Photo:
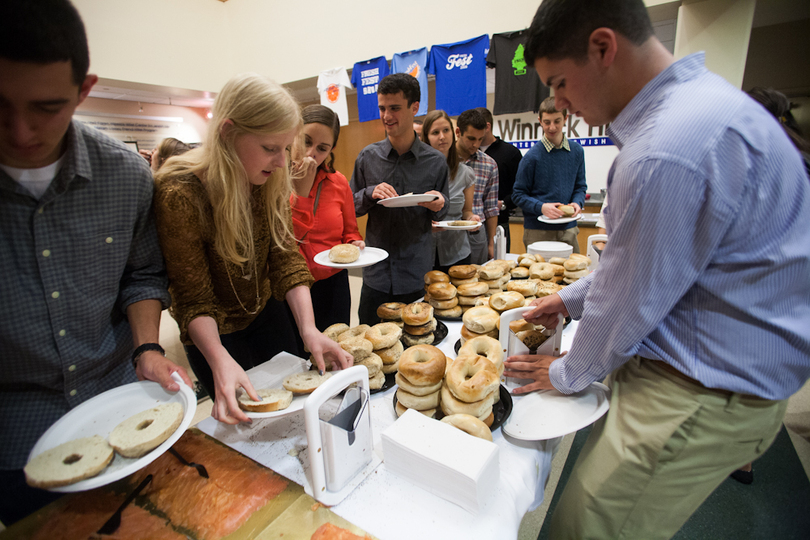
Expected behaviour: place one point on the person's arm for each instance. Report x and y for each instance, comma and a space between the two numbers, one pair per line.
351, 233
322, 348
522, 193
466, 210
638, 283
366, 191
441, 205
144, 319
228, 374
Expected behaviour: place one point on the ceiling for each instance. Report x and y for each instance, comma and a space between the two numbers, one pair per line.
767, 12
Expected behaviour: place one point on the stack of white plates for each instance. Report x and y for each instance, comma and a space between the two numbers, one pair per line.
550, 249
441, 459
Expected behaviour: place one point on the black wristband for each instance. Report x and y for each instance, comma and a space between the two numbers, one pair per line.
142, 349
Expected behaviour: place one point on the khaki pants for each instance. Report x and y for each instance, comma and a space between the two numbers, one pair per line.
662, 448
569, 236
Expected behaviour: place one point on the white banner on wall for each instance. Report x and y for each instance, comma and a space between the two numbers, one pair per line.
147, 131
524, 131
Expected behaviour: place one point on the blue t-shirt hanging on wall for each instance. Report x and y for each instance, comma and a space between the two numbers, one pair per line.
414, 63
365, 77
461, 74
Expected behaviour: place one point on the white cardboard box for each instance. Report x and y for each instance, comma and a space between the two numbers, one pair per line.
441, 459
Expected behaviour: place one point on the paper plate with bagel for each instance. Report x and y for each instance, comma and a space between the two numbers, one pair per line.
365, 257
559, 221
458, 225
98, 417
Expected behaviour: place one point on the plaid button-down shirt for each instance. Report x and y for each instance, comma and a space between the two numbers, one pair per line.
73, 260
485, 200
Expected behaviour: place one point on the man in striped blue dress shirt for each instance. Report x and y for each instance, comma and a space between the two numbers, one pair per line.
700, 308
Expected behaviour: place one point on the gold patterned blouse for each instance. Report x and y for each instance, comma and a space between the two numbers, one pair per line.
200, 281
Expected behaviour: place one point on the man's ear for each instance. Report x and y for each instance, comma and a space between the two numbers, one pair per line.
87, 85
602, 45
415, 107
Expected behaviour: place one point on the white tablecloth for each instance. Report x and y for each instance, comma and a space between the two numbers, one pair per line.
390, 507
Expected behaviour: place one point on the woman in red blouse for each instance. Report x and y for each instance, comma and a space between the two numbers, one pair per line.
323, 214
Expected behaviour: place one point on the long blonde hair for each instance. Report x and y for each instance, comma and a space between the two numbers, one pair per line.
256, 105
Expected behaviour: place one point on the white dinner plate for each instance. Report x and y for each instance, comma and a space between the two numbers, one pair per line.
559, 221
101, 414
406, 200
271, 374
449, 225
368, 256
548, 414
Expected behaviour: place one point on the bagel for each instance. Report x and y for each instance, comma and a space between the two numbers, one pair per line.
575, 263
469, 300
68, 463
335, 330
521, 272
492, 283
506, 300
487, 347
442, 291
443, 304
549, 290
576, 274
450, 313
429, 401
527, 300
358, 347
557, 260
490, 271
423, 365
383, 335
430, 413
462, 271
422, 329
488, 420
542, 271
390, 311
525, 287
304, 382
566, 209
472, 378
481, 319
532, 338
482, 301
373, 363
580, 256
459, 282
417, 314
387, 369
406, 385
436, 276
144, 431
520, 325
344, 253
355, 331
466, 334
473, 289
409, 341
273, 399
450, 404
377, 381
469, 425
391, 354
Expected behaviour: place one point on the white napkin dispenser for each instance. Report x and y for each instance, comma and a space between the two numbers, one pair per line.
339, 448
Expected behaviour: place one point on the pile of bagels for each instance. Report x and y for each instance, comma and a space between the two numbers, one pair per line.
416, 320
377, 347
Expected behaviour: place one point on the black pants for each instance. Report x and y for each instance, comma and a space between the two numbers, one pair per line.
440, 268
370, 300
269, 334
18, 499
331, 304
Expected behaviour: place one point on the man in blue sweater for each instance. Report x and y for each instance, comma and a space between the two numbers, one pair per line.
551, 174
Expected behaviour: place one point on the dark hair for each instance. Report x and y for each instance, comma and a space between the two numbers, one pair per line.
452, 153
486, 114
401, 82
547, 106
471, 118
320, 114
167, 148
561, 28
44, 32
780, 106
418, 121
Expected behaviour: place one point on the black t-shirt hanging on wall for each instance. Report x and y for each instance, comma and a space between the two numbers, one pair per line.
517, 87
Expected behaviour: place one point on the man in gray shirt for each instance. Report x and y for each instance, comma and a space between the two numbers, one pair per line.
398, 165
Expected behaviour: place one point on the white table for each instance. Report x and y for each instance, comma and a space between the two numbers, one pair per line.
390, 507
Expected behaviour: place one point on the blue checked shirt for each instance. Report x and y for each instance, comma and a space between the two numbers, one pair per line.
708, 263
485, 198
71, 263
